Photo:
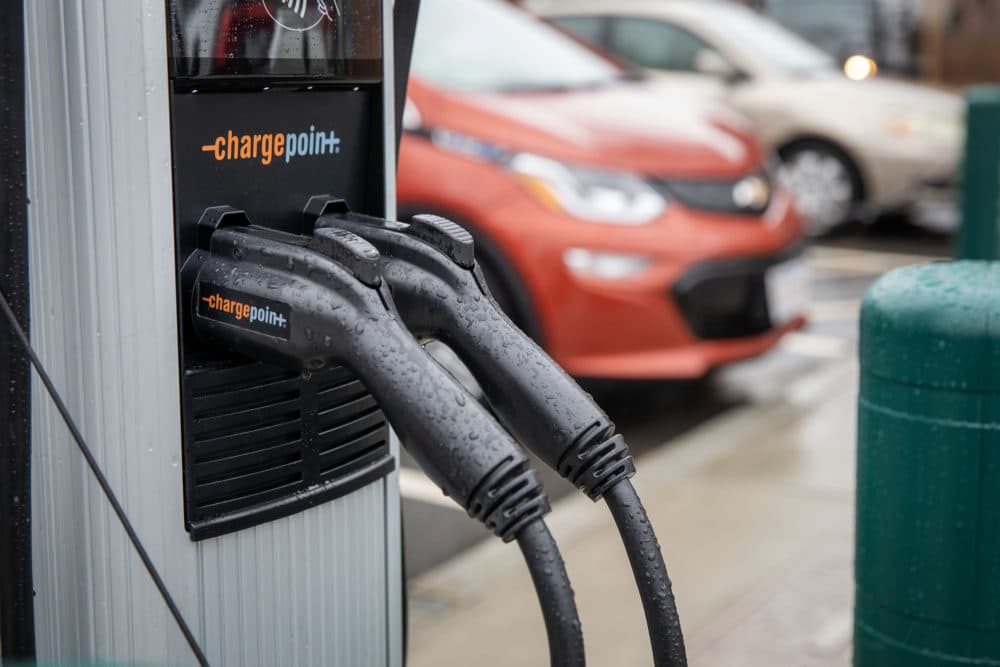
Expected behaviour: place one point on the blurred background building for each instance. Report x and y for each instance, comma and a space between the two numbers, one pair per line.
962, 41
952, 42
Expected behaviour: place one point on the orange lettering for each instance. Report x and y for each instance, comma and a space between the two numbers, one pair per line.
216, 148
232, 146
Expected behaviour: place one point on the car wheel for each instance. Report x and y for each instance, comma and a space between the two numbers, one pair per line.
825, 183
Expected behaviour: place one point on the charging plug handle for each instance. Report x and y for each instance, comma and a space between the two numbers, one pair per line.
440, 292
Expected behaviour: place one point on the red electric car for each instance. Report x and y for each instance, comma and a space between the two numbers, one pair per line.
634, 233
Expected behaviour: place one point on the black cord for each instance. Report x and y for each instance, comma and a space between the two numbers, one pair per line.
650, 572
555, 594
103, 482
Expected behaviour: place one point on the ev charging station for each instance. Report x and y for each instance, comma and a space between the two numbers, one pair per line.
225, 317
140, 116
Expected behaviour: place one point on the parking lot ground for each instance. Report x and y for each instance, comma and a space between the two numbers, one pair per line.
750, 488
754, 511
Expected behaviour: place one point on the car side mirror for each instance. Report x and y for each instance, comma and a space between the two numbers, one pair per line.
711, 63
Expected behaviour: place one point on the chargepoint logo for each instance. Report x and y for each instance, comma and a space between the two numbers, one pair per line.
243, 310
265, 147
301, 15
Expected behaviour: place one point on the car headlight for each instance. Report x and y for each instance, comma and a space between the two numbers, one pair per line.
860, 68
589, 194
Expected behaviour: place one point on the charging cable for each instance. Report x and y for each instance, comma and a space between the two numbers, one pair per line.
441, 293
309, 302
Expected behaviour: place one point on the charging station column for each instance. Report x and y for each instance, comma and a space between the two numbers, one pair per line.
268, 500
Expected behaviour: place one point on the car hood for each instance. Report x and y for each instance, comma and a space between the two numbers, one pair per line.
645, 127
882, 94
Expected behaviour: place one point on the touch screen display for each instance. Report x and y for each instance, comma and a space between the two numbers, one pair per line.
335, 39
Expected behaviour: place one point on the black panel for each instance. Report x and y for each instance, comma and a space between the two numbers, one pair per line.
260, 442
274, 182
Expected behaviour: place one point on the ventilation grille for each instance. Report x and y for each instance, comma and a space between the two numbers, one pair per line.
260, 443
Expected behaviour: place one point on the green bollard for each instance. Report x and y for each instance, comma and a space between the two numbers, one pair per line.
977, 236
927, 568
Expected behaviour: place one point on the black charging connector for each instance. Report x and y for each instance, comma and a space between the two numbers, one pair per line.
309, 302
440, 293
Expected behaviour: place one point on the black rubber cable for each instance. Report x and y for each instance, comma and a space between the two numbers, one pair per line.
555, 594
103, 482
650, 572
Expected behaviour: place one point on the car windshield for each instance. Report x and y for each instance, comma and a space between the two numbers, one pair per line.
778, 47
487, 45
851, 20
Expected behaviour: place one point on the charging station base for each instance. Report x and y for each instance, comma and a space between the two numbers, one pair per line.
320, 586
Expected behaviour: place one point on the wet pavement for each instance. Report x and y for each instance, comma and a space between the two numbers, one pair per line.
754, 512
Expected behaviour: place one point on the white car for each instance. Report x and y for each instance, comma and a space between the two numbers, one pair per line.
852, 142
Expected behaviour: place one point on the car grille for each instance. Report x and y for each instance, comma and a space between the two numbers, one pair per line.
718, 196
723, 299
